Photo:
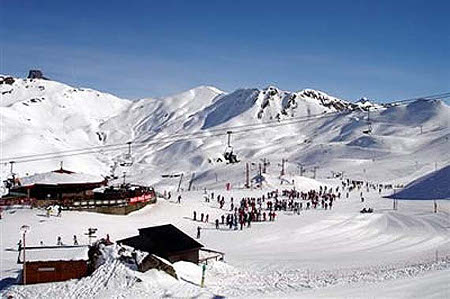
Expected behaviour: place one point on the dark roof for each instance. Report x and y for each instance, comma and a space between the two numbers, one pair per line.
161, 240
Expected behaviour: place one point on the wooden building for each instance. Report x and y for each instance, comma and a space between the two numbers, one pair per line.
59, 185
165, 241
53, 263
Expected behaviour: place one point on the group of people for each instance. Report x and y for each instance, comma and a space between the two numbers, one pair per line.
242, 213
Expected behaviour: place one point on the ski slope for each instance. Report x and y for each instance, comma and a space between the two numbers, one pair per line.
319, 253
40, 116
337, 253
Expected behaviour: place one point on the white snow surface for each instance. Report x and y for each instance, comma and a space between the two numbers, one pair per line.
339, 253
40, 116
319, 253
55, 253
54, 178
435, 185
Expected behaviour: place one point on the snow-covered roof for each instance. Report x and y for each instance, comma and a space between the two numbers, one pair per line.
55, 253
434, 185
55, 178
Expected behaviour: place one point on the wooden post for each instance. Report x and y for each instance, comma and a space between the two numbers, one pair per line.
24, 262
202, 284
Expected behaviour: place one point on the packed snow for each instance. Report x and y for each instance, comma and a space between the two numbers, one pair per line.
435, 185
56, 253
53, 178
338, 252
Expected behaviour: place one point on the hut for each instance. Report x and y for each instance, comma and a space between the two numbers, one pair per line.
165, 241
53, 263
59, 185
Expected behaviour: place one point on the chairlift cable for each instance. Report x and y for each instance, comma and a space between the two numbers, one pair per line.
207, 134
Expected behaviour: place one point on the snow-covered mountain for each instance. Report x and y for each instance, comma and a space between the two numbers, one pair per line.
42, 116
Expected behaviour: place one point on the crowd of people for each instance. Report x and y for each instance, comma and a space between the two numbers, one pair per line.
242, 213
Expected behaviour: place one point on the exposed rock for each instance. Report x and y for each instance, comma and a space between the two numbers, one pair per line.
36, 74
7, 80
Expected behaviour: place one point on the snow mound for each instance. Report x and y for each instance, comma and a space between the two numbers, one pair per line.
431, 186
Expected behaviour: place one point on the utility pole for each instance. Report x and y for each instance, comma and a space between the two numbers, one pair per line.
282, 166
13, 174
191, 181
300, 168
247, 176
179, 183
124, 177
264, 165
315, 171
24, 229
12, 167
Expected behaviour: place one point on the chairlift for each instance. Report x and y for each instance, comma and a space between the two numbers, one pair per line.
127, 160
368, 131
229, 156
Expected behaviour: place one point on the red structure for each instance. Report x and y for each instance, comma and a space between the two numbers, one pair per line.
54, 263
59, 185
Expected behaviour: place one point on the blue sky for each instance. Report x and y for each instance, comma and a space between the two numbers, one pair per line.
384, 50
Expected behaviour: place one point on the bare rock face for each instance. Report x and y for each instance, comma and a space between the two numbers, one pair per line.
7, 80
36, 74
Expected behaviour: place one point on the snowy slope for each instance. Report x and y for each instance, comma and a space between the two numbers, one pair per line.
39, 116
435, 185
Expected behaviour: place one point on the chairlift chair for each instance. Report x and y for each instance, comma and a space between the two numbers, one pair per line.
229, 156
127, 158
369, 123
368, 131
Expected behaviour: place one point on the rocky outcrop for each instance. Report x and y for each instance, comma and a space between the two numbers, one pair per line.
7, 80
36, 74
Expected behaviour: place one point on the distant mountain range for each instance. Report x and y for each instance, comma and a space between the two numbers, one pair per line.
43, 116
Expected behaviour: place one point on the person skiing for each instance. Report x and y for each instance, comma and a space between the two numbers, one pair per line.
195, 216
198, 232
179, 198
217, 223
75, 241
59, 241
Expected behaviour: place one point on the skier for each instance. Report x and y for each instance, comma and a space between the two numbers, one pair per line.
75, 241
179, 198
195, 216
59, 241
198, 232
207, 218
201, 217
217, 223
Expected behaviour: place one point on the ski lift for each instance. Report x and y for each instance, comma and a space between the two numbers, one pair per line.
127, 158
229, 156
368, 131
